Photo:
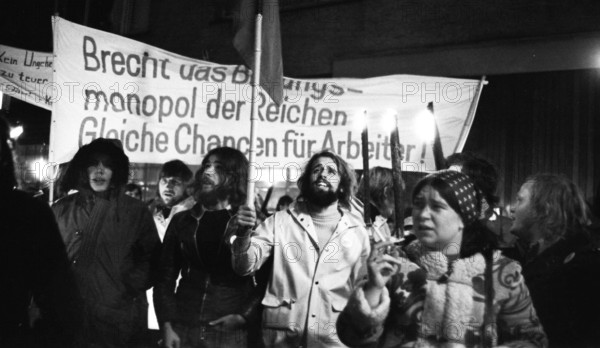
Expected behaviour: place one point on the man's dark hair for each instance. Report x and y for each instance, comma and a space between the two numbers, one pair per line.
234, 171
557, 205
175, 168
7, 167
347, 178
481, 171
284, 200
76, 176
379, 179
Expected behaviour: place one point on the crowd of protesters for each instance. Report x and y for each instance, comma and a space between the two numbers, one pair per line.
313, 274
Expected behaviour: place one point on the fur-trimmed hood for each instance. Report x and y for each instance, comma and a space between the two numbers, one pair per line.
75, 176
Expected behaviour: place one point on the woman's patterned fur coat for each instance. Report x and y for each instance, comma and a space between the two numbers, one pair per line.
426, 305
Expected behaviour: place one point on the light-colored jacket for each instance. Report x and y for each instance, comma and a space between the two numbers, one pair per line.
161, 228
162, 223
309, 284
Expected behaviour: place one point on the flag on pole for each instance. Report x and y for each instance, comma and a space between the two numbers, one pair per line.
271, 65
438, 153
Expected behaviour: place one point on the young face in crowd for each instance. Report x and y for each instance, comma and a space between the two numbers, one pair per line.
99, 176
324, 181
436, 224
133, 193
521, 211
171, 189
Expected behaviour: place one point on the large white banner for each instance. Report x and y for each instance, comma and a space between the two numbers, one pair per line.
27, 75
165, 106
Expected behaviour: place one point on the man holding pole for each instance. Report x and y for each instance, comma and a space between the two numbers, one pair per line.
212, 306
318, 250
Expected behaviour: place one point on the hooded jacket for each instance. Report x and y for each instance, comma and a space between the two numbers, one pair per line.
111, 243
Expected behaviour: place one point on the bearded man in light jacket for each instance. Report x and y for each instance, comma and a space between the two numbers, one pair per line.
317, 249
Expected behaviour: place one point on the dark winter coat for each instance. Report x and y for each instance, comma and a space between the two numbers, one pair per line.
564, 282
33, 263
111, 244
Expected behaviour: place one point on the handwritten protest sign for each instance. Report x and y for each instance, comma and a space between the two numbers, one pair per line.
27, 75
164, 106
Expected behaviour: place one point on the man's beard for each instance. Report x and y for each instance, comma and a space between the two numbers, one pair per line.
321, 198
213, 196
526, 231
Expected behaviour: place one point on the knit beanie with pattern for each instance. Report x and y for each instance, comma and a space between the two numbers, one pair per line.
461, 188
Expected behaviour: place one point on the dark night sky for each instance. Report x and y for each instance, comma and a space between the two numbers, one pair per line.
26, 24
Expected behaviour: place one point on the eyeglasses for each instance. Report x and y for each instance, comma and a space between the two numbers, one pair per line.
171, 181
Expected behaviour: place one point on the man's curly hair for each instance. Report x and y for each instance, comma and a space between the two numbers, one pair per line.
234, 171
557, 205
347, 183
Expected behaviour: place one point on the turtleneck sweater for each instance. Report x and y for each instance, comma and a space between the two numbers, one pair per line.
325, 223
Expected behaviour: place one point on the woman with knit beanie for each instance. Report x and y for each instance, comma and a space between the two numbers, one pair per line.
448, 288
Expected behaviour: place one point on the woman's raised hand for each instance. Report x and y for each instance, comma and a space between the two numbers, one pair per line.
384, 261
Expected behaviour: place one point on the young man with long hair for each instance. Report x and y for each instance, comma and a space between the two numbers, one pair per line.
211, 306
111, 242
560, 258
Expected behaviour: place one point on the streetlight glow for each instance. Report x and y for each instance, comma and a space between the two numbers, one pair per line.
15, 132
425, 126
360, 120
388, 120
